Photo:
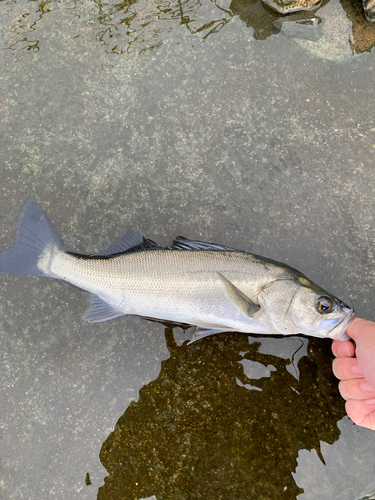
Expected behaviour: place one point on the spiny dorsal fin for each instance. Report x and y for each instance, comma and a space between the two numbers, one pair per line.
239, 299
181, 243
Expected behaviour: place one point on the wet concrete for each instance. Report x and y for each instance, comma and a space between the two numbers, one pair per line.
199, 130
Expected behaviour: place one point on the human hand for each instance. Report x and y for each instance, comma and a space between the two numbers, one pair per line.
355, 367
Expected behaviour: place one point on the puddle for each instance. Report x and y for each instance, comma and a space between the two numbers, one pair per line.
139, 26
224, 418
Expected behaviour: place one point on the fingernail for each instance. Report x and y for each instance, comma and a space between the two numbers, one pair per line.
366, 387
369, 402
356, 370
344, 351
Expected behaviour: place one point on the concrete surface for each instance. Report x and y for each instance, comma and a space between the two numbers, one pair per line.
173, 119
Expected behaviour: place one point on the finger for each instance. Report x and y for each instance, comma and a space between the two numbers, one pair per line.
343, 349
360, 328
361, 412
363, 333
357, 388
346, 368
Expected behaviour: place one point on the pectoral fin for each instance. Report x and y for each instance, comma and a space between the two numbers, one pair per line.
239, 299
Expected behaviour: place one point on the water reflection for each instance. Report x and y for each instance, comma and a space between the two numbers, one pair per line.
141, 25
224, 419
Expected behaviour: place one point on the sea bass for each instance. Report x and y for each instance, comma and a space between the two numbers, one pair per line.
216, 288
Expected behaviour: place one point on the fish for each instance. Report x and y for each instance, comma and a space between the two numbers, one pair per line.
212, 287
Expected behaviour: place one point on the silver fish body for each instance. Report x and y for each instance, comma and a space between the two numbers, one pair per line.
213, 287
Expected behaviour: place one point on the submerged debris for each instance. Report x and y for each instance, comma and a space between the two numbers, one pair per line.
294, 26
369, 8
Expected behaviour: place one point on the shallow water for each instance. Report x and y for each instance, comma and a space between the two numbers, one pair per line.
220, 421
198, 119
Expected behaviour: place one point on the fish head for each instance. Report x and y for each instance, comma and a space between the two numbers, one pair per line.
297, 305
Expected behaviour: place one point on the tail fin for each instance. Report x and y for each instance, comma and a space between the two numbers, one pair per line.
34, 235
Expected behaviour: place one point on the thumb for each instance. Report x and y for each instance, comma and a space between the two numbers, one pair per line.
363, 333
361, 330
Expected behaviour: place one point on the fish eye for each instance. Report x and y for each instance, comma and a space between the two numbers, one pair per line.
324, 305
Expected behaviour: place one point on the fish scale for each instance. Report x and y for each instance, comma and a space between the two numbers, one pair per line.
163, 277
213, 287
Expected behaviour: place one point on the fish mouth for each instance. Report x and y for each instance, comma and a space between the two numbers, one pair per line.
338, 332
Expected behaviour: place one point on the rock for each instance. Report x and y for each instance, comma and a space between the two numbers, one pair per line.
297, 27
369, 8
286, 6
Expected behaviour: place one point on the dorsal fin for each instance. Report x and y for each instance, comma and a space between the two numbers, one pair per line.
181, 243
130, 241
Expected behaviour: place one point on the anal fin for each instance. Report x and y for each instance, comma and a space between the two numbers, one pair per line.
200, 333
98, 310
